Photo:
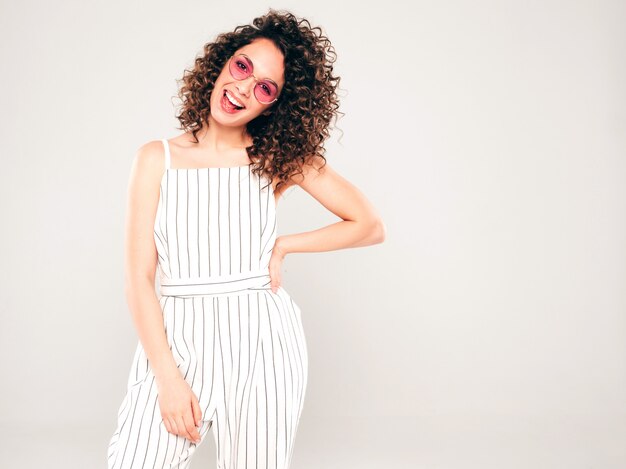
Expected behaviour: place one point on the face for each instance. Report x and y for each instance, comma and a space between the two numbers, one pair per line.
260, 59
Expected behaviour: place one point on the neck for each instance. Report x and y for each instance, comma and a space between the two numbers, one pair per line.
219, 138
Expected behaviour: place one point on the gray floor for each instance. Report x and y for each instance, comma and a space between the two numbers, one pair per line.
436, 442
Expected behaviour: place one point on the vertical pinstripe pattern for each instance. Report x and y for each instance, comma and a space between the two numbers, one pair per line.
240, 346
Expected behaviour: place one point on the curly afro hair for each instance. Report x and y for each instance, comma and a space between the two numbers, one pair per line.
293, 133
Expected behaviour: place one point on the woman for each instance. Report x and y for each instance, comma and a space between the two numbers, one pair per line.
223, 346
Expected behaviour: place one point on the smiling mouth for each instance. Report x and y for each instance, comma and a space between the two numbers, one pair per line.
231, 102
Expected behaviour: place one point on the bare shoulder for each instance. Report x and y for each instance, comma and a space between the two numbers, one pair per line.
148, 168
300, 178
315, 173
151, 155
149, 160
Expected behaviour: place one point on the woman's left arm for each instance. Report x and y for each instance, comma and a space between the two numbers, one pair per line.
361, 225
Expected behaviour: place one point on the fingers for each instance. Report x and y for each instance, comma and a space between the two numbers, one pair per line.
195, 409
170, 425
275, 284
188, 428
185, 424
274, 276
276, 259
192, 429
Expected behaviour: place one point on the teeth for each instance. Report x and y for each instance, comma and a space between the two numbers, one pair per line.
233, 100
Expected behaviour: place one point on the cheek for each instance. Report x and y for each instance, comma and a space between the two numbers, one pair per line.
217, 86
256, 107
217, 93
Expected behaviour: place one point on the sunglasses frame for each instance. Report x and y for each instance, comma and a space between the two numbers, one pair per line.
253, 76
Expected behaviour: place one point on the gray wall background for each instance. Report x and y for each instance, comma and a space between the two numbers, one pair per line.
488, 331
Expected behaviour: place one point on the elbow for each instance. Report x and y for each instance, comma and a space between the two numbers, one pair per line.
379, 231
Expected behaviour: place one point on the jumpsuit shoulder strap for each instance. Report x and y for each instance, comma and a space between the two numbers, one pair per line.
166, 145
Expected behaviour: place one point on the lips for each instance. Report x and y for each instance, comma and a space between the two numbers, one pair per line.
227, 106
234, 99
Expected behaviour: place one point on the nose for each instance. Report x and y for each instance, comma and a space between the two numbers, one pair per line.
244, 86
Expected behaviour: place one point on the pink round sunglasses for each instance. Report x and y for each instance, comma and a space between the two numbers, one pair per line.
265, 90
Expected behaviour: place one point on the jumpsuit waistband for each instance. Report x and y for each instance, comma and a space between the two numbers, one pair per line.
217, 285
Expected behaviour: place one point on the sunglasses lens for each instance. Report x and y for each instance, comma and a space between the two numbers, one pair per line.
265, 91
240, 68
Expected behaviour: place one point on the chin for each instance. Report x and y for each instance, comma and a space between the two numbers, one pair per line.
229, 120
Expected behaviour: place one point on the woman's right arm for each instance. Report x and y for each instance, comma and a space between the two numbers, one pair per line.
141, 259
178, 404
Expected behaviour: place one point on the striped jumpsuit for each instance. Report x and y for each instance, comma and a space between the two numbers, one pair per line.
240, 346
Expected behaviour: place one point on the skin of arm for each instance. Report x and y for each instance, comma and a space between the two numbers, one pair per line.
361, 225
141, 259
